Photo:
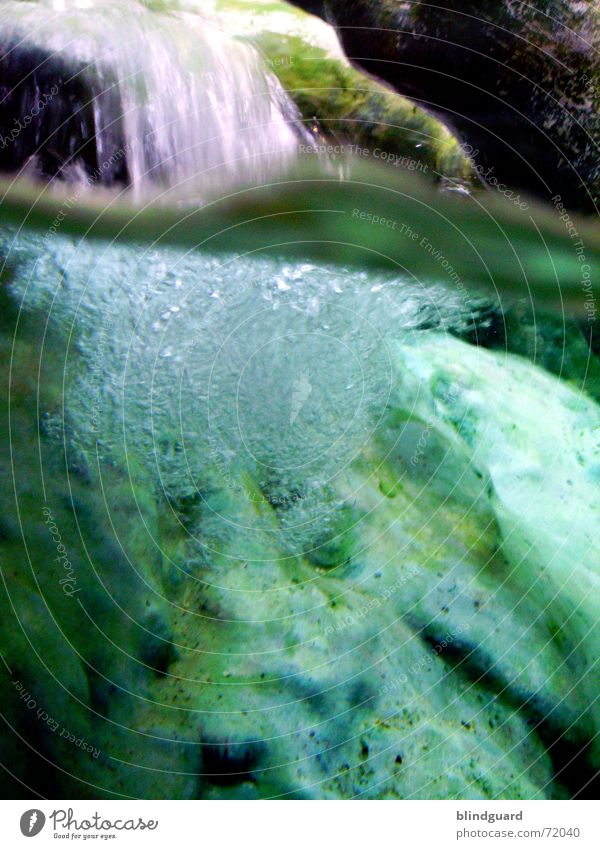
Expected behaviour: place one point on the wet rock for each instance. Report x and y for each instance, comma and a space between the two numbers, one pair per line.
518, 84
561, 345
345, 109
57, 116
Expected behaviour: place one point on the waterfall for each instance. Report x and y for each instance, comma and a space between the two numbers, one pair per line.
100, 92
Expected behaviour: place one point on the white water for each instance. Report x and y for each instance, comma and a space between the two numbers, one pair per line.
200, 369
201, 112
196, 368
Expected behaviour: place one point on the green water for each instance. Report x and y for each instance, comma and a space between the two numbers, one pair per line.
296, 504
311, 492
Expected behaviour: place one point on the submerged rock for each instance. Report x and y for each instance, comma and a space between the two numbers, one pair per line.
390, 600
559, 344
518, 83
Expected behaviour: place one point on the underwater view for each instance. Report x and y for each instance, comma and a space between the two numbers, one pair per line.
300, 447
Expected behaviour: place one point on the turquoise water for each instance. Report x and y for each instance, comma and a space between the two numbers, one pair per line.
322, 543
184, 360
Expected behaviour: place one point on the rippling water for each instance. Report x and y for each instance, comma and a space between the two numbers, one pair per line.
198, 364
308, 484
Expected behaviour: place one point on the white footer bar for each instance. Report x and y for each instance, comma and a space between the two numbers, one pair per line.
301, 825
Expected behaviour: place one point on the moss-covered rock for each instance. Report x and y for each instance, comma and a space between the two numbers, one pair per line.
560, 344
434, 637
84, 624
346, 107
519, 83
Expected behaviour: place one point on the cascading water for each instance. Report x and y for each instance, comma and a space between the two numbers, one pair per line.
103, 92
285, 365
311, 489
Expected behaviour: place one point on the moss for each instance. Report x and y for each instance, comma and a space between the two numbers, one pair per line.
334, 548
349, 107
541, 136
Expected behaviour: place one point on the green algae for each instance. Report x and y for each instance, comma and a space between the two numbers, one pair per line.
433, 635
350, 109
423, 651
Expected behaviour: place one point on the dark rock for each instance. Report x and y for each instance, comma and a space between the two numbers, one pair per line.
56, 114
230, 763
518, 84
